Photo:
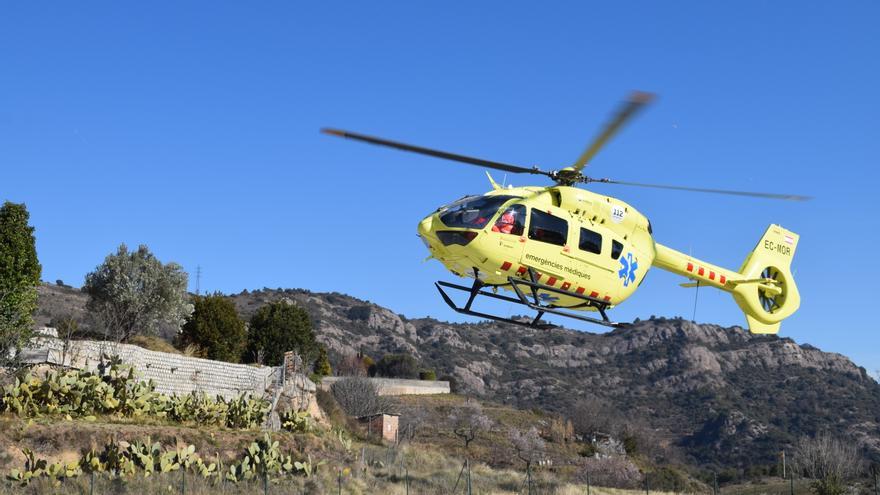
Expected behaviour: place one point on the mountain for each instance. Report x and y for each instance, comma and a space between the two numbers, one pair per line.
721, 396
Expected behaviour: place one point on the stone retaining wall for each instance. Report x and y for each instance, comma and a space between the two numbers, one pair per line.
395, 386
172, 373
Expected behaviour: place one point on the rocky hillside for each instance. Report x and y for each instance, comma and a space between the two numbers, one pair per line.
720, 395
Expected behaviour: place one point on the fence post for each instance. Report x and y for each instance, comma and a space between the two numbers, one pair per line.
265, 480
91, 483
406, 479
468, 464
339, 481
529, 475
791, 483
588, 484
646, 484
182, 480
876, 485
714, 483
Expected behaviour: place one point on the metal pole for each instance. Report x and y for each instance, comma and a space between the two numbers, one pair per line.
265, 481
406, 480
92, 483
646, 484
529, 475
588, 484
715, 483
339, 481
468, 464
791, 483
182, 480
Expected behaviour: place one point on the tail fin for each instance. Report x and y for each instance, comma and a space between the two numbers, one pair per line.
766, 293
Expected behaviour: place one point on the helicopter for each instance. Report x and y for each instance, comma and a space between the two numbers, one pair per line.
568, 251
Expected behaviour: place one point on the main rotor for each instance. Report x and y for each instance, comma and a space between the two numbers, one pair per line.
572, 174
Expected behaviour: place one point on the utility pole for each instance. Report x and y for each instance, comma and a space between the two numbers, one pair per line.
198, 280
783, 464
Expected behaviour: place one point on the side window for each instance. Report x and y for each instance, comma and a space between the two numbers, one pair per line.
616, 249
512, 221
590, 242
547, 228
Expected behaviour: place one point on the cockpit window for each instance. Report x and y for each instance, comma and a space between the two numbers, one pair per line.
473, 212
512, 221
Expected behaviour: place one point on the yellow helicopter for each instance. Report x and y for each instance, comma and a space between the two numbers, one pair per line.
564, 250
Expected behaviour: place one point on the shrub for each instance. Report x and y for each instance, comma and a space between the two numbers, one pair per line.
428, 375
215, 328
359, 397
398, 366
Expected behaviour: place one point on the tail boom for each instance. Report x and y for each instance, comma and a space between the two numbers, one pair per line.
763, 288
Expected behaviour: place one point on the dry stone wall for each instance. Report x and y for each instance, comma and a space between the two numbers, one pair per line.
171, 373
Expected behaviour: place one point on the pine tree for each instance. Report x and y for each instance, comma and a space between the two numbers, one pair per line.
215, 328
19, 277
279, 327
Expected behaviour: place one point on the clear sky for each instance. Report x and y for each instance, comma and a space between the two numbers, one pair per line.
192, 127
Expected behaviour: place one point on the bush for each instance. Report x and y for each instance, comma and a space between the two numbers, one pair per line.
398, 366
277, 328
215, 328
358, 397
428, 375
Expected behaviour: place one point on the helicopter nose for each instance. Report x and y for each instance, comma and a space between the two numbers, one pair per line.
425, 225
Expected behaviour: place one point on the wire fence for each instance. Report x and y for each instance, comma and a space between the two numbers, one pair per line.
390, 471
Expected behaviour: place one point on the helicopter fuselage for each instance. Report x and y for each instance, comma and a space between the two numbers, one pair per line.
583, 243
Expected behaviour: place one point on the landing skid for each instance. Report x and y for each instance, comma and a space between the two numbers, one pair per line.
520, 287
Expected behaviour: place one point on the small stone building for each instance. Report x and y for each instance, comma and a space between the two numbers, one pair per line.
383, 425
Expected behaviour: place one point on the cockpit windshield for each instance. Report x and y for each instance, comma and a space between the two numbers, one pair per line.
472, 212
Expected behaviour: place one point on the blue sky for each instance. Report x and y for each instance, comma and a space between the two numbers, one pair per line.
192, 127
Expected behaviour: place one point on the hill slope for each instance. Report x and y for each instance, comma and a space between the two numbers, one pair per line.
722, 395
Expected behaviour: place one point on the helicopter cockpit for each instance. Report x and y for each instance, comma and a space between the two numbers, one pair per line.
472, 212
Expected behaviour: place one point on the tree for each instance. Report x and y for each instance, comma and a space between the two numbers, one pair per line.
351, 365
359, 397
468, 422
215, 328
829, 461
277, 328
398, 366
19, 277
322, 363
134, 293
528, 445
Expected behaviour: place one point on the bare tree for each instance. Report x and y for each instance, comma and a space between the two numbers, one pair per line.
593, 415
359, 397
351, 365
412, 418
468, 422
528, 446
614, 472
68, 329
829, 461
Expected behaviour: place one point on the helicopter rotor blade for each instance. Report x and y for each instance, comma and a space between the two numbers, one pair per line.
435, 153
636, 101
789, 197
